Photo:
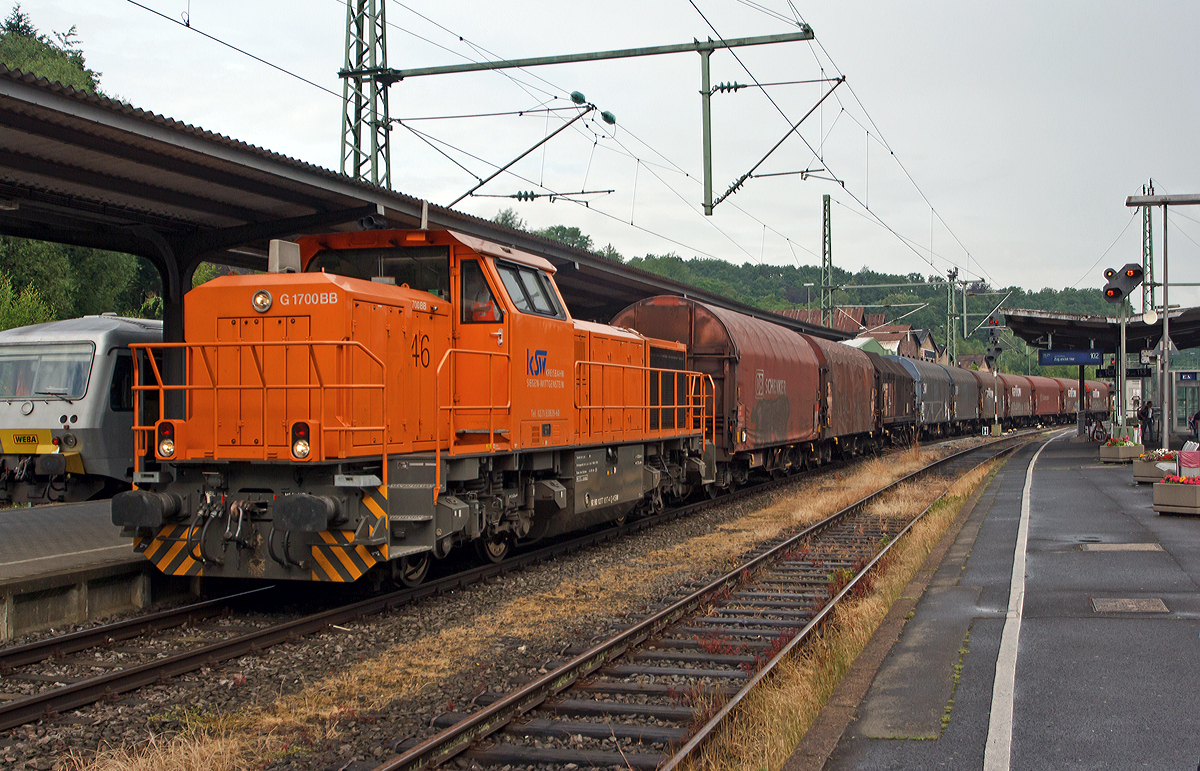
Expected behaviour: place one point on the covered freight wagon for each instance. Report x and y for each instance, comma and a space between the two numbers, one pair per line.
849, 390
933, 393
965, 403
1016, 399
1047, 398
766, 377
895, 394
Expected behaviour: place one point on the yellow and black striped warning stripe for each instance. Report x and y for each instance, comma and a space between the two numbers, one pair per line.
338, 558
170, 551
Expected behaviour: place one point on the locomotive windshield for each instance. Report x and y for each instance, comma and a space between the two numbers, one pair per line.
530, 289
46, 370
426, 268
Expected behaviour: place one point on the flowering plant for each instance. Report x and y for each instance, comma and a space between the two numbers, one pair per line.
1114, 442
1178, 480
1155, 456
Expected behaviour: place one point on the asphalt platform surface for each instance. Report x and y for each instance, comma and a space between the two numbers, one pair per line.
1097, 685
51, 538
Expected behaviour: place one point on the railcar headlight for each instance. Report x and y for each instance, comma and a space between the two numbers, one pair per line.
261, 301
300, 448
166, 447
69, 440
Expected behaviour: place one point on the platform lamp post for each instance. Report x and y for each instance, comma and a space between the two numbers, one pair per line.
1165, 201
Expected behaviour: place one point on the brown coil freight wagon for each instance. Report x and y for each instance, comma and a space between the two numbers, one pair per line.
895, 397
766, 377
1017, 399
1047, 398
847, 394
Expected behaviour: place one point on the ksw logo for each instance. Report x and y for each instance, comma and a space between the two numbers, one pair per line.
535, 363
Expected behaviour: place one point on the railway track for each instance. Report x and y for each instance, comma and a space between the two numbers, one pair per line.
649, 696
65, 680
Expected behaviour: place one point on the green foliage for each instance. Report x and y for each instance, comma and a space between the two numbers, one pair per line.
19, 309
75, 281
59, 59
569, 236
206, 272
509, 219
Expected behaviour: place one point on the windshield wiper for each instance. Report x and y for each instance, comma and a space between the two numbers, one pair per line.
55, 395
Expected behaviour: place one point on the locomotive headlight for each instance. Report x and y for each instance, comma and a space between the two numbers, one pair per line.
69, 440
261, 301
166, 447
300, 448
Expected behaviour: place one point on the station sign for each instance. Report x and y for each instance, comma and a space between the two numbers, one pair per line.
1088, 358
1131, 373
1187, 376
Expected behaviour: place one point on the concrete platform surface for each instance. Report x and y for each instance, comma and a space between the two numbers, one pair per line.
1091, 689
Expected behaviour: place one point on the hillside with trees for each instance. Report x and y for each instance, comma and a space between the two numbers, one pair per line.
782, 287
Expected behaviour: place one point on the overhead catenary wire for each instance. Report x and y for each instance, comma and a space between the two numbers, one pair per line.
187, 25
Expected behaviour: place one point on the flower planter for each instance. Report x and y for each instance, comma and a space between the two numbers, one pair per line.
1147, 472
1170, 498
1120, 453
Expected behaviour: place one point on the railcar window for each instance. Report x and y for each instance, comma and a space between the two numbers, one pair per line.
45, 370
530, 289
120, 394
426, 268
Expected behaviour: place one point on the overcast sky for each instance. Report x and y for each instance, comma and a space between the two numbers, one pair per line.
1001, 138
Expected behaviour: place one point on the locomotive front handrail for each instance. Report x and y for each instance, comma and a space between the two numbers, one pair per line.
145, 433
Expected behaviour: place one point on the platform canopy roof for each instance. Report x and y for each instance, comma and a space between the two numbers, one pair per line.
1073, 331
82, 169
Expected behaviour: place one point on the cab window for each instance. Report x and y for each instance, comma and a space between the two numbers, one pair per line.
426, 268
530, 289
479, 305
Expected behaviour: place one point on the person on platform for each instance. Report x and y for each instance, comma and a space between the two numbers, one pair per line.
1146, 417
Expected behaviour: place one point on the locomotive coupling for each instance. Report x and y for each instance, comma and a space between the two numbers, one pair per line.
304, 513
144, 508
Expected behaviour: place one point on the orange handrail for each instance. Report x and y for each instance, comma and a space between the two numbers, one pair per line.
698, 404
491, 407
145, 433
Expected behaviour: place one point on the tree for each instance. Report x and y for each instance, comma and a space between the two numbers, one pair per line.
569, 236
19, 309
60, 60
509, 219
71, 281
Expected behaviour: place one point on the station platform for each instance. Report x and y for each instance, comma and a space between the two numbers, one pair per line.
1087, 655
62, 564
46, 539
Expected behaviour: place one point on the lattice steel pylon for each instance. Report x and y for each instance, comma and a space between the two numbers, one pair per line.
826, 268
1147, 252
365, 121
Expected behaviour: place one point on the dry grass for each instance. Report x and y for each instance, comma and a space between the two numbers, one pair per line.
773, 719
315, 714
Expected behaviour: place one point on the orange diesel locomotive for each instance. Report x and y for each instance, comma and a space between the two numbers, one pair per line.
385, 396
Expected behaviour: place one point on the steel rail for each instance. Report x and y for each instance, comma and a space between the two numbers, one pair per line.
453, 740
686, 751
72, 696
62, 645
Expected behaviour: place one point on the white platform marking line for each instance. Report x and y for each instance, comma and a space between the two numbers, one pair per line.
126, 547
998, 751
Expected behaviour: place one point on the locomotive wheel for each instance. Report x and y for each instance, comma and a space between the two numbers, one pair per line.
492, 550
412, 570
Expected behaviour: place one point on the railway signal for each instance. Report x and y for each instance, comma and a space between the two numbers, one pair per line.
1122, 283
